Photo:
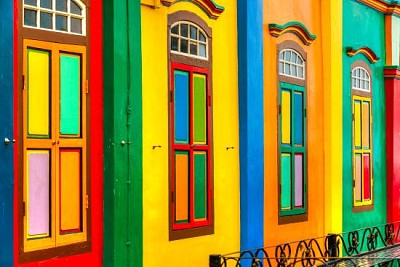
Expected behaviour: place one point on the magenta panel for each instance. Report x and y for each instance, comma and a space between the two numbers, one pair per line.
367, 178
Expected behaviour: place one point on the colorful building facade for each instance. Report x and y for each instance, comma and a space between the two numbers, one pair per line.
160, 132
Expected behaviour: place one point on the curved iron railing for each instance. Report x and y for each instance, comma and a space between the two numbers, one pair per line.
330, 250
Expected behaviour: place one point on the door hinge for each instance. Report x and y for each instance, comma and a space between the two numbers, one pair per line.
279, 109
352, 117
23, 208
170, 96
354, 183
87, 86
305, 113
87, 201
172, 197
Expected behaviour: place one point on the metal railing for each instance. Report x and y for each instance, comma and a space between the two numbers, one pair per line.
343, 249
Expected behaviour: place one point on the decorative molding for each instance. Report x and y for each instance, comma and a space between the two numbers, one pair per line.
294, 27
382, 6
392, 72
208, 6
365, 51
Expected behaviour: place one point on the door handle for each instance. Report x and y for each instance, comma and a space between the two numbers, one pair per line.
8, 141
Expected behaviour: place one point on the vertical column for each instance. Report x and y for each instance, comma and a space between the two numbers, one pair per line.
6, 131
333, 87
392, 87
251, 117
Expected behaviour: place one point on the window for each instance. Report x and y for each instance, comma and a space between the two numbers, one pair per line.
191, 178
188, 39
292, 133
362, 135
55, 15
55, 195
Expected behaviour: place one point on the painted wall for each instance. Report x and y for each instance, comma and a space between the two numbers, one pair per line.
369, 25
6, 131
308, 13
95, 59
123, 117
157, 249
251, 112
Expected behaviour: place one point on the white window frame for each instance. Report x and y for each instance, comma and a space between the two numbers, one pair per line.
356, 76
190, 40
291, 63
55, 12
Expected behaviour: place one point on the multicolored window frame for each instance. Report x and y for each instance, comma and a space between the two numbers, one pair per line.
55, 193
191, 160
292, 133
363, 182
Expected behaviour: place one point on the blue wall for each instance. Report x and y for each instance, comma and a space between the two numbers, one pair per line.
6, 130
251, 118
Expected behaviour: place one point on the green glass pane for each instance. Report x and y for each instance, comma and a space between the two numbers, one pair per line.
70, 94
286, 184
199, 112
200, 186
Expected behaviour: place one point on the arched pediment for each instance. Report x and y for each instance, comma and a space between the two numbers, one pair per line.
208, 6
294, 27
367, 52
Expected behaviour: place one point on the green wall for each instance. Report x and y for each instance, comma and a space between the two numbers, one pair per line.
363, 26
123, 209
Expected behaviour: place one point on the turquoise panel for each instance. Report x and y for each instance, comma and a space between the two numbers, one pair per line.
70, 85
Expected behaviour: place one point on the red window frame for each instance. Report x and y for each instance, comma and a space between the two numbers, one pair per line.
191, 148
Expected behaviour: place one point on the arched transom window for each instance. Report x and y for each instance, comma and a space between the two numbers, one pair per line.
291, 64
55, 15
361, 79
188, 39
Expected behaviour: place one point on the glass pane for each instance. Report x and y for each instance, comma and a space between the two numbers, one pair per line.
200, 109
200, 186
38, 86
367, 178
46, 21
365, 125
298, 180
280, 67
300, 61
353, 82
287, 69
301, 72
357, 124
38, 193
76, 25
286, 117
298, 118
202, 37
30, 2
181, 106
75, 9
202, 50
184, 30
293, 70
61, 5
362, 85
286, 182
294, 58
181, 186
357, 178
61, 23
30, 17
184, 46
193, 32
70, 191
175, 29
193, 49
281, 55
287, 55
46, 4
70, 89
174, 44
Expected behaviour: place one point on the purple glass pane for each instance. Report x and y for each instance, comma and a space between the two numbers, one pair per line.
298, 176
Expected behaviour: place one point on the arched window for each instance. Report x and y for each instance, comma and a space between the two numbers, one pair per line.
188, 39
361, 85
67, 16
190, 126
291, 64
292, 133
361, 79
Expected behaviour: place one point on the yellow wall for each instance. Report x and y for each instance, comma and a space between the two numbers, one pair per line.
158, 250
319, 172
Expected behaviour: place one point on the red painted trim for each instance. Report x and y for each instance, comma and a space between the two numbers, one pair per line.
191, 150
392, 87
16, 137
95, 131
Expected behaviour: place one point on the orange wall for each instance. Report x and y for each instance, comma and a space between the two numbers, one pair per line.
308, 12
